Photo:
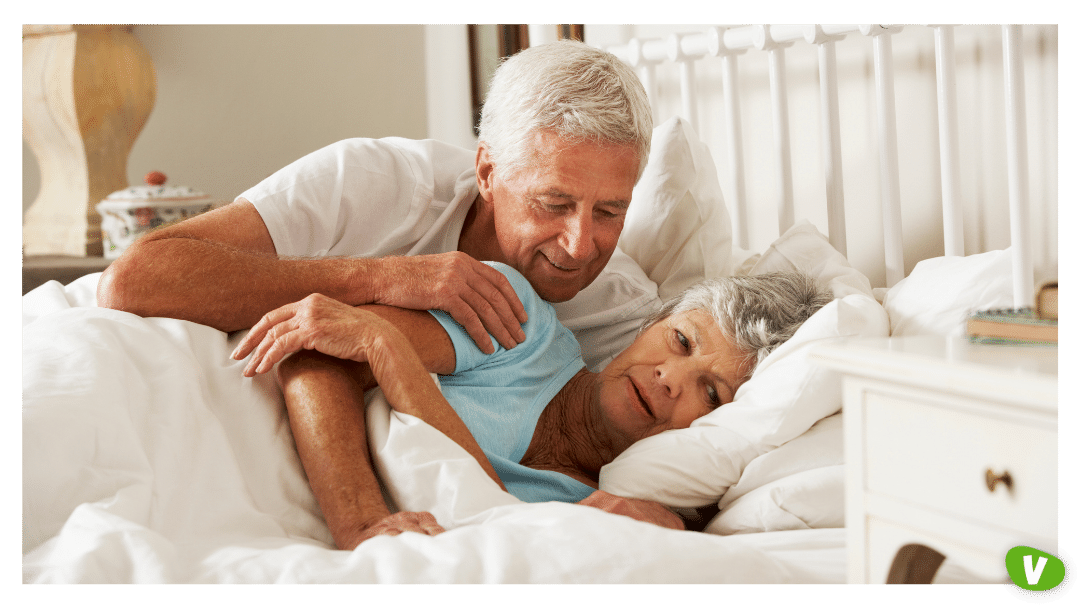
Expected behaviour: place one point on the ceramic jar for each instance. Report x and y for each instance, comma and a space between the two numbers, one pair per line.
129, 213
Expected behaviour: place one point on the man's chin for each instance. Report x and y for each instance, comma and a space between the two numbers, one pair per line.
556, 298
556, 286
556, 291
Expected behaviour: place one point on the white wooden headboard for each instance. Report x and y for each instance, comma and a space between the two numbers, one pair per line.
900, 142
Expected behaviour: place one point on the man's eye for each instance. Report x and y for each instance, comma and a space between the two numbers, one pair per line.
714, 397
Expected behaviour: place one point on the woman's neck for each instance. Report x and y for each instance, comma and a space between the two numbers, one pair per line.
569, 435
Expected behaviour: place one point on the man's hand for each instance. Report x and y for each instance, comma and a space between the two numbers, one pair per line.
396, 523
476, 295
641, 510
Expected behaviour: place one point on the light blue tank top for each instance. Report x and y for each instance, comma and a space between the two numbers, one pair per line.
500, 396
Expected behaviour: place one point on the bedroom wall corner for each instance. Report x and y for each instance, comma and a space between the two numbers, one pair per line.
449, 98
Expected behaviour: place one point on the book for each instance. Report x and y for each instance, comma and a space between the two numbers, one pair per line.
1011, 326
1046, 301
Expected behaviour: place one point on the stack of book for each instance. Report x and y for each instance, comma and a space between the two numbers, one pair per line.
1037, 325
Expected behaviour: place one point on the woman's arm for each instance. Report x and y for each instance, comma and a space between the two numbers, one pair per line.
642, 510
400, 372
326, 413
378, 345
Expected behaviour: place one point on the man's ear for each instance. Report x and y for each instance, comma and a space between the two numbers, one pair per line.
485, 170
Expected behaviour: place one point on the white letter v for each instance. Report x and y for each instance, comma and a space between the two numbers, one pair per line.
1033, 575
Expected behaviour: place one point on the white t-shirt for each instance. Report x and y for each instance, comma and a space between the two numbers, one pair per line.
394, 196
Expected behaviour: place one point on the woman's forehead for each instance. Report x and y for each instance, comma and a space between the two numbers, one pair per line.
698, 321
703, 330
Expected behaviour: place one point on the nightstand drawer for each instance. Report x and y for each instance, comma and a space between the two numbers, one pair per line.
936, 456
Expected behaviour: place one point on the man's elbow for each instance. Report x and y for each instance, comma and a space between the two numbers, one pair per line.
111, 288
116, 287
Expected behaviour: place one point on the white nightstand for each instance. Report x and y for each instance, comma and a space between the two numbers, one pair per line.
951, 450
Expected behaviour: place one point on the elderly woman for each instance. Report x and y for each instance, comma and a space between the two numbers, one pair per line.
539, 423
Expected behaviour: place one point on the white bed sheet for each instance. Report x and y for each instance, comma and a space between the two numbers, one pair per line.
147, 457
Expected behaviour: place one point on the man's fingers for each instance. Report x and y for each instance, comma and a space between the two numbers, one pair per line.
466, 316
506, 331
497, 305
500, 282
501, 311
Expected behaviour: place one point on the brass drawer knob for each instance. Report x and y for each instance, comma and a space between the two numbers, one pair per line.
993, 479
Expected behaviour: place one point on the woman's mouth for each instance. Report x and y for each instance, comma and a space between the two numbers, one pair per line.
639, 399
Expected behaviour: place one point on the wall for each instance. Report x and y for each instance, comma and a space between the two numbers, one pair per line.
449, 95
237, 102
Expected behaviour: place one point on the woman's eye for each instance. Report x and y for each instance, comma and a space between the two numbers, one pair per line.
714, 397
682, 339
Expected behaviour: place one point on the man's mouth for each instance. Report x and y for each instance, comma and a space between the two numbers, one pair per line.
560, 267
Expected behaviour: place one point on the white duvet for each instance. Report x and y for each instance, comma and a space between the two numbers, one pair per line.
147, 457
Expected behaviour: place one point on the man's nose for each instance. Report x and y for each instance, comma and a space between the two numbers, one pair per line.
577, 237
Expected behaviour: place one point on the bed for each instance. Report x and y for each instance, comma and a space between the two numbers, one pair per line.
149, 458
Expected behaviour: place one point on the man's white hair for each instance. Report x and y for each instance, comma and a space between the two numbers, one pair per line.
573, 90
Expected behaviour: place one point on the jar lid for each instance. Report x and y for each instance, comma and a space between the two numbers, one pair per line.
156, 194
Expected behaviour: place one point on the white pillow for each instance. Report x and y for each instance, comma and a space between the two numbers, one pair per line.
788, 393
804, 248
938, 295
796, 486
677, 228
805, 500
821, 446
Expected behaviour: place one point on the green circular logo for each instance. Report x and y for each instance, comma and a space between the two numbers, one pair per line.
1034, 570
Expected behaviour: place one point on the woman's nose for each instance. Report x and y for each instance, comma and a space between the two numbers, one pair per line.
671, 376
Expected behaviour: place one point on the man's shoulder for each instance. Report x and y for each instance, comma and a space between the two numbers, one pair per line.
606, 315
423, 150
621, 291
436, 165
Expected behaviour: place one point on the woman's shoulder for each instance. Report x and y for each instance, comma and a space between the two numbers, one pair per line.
542, 316
521, 285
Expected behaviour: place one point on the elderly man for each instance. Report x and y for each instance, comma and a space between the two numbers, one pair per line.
564, 137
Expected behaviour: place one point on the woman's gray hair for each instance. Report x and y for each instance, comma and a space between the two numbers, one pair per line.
755, 313
571, 89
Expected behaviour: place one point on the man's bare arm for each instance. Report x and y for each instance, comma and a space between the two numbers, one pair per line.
221, 269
